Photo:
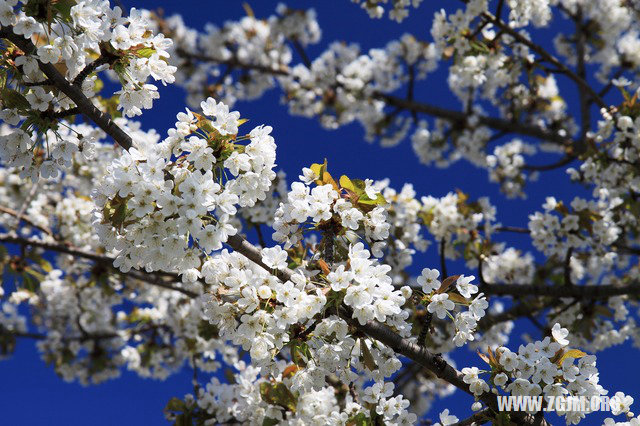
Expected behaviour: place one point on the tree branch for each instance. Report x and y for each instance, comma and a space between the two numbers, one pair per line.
460, 117
406, 104
574, 291
233, 62
88, 109
26, 220
153, 279
547, 57
479, 418
433, 362
560, 163
103, 59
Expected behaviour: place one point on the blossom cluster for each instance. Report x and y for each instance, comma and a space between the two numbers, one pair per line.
259, 47
547, 367
399, 8
83, 39
441, 303
141, 279
337, 86
161, 213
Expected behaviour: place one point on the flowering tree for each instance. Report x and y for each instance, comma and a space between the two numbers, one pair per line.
129, 249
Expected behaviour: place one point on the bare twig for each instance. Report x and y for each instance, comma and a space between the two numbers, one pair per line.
26, 220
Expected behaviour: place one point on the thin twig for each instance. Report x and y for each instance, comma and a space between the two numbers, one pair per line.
547, 57
26, 220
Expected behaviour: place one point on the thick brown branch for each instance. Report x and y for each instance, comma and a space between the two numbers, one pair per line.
433, 362
103, 59
560, 163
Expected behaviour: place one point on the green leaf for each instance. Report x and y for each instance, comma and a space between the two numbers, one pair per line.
30, 282
119, 215
300, 353
456, 298
269, 421
367, 358
278, 394
175, 404
63, 7
14, 99
3, 78
346, 183
359, 419
368, 201
479, 47
145, 52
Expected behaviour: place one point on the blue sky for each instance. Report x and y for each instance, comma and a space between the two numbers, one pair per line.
31, 392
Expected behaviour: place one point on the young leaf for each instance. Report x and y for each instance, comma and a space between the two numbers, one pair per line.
456, 298
290, 371
324, 267
346, 183
367, 357
446, 283
300, 353
14, 99
359, 419
145, 52
571, 353
484, 357
278, 394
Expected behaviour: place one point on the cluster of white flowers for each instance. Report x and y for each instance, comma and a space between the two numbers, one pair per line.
589, 224
267, 308
508, 266
256, 398
405, 234
339, 84
19, 149
150, 207
547, 367
328, 206
506, 165
614, 173
399, 8
88, 37
441, 304
258, 47
451, 218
